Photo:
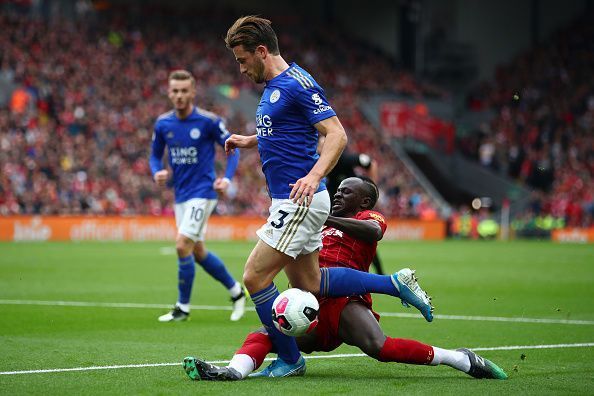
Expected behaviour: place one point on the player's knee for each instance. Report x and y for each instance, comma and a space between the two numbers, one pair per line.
183, 251
183, 246
307, 283
252, 281
313, 288
372, 346
200, 251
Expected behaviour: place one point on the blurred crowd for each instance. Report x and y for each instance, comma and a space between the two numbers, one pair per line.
85, 91
543, 133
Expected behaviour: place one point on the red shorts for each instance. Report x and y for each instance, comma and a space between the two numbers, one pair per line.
327, 337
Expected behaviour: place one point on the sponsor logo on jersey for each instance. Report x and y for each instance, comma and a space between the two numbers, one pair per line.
332, 231
274, 96
263, 125
169, 135
316, 98
322, 109
377, 217
319, 102
183, 155
223, 129
195, 133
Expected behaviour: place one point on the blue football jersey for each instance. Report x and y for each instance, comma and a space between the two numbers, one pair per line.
191, 144
291, 104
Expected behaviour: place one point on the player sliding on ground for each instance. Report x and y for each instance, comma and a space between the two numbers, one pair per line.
349, 240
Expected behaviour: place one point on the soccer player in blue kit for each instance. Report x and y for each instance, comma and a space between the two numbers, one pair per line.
293, 111
190, 134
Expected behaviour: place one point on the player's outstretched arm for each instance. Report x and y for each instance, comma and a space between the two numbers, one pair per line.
334, 144
365, 230
240, 141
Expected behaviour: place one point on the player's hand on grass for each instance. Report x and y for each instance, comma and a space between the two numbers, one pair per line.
161, 177
304, 188
221, 185
239, 141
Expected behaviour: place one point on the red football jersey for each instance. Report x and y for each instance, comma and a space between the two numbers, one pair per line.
342, 250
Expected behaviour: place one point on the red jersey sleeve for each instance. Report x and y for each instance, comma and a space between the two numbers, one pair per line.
376, 217
343, 250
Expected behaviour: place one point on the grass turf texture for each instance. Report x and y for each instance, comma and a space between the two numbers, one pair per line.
518, 279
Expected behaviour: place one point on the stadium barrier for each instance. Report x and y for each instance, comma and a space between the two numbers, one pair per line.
147, 228
579, 235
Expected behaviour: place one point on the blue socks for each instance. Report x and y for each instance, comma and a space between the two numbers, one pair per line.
341, 282
215, 268
185, 277
285, 345
187, 271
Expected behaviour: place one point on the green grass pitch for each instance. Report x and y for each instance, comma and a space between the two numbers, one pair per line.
475, 279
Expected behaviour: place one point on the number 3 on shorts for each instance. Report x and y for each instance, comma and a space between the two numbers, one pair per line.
281, 221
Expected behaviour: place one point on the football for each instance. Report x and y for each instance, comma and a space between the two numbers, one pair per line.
295, 312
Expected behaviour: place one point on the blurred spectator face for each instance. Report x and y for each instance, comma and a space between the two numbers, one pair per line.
251, 63
181, 94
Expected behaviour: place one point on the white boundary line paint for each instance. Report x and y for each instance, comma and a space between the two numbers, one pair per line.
344, 355
229, 308
492, 318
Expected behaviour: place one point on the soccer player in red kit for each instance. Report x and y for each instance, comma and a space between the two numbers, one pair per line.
349, 240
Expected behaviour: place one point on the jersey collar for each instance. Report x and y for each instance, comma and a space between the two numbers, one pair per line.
291, 65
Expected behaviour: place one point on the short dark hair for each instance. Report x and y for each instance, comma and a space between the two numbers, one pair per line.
371, 190
252, 31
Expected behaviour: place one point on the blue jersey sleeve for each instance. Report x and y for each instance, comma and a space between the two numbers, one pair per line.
314, 104
220, 135
232, 162
157, 150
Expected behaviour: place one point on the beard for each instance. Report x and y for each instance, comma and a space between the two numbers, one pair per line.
258, 74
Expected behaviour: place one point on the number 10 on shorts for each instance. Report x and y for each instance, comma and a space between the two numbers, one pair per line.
197, 214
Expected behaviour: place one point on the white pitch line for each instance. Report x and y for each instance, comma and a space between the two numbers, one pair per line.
492, 318
114, 305
229, 308
343, 355
550, 346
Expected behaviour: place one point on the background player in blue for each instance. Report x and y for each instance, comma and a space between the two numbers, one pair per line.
292, 113
190, 134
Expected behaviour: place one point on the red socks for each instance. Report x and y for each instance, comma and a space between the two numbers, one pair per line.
257, 346
406, 351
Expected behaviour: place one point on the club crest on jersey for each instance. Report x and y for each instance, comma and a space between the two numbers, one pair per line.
195, 133
169, 135
274, 96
